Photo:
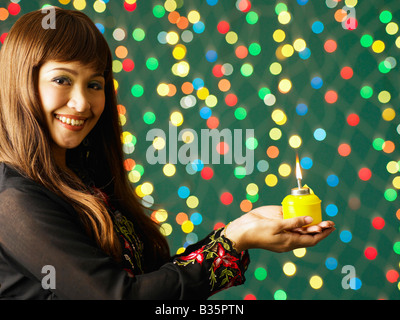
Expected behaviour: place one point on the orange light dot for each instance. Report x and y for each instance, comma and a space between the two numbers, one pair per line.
187, 87
172, 90
272, 152
388, 147
173, 17
246, 205
181, 217
330, 46
224, 85
182, 23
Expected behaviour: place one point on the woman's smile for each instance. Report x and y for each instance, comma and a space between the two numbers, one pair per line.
71, 122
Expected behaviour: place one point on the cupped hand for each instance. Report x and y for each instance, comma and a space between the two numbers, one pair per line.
265, 228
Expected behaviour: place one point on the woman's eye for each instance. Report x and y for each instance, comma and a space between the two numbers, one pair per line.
62, 81
95, 86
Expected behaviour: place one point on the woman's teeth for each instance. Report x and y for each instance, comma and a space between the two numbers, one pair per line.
72, 122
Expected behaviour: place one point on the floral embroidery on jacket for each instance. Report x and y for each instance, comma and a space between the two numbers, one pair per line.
226, 266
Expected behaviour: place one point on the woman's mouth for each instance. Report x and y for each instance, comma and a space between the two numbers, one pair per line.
71, 122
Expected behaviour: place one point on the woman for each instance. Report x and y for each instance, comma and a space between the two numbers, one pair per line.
65, 198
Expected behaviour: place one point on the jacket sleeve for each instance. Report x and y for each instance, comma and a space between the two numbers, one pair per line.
36, 231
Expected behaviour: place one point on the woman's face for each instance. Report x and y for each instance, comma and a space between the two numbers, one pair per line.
73, 99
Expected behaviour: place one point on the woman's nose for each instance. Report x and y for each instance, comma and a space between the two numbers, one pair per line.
79, 100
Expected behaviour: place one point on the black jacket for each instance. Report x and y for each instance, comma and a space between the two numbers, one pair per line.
39, 230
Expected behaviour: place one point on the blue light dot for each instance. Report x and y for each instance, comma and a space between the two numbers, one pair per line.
183, 192
262, 165
302, 2
192, 238
306, 163
317, 27
198, 83
212, 2
332, 180
331, 210
162, 37
316, 82
205, 112
319, 134
198, 27
196, 218
331, 263
100, 27
301, 109
355, 283
211, 56
346, 236
305, 54
197, 165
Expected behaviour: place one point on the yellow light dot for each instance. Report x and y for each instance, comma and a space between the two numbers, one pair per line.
180, 250
170, 5
187, 137
163, 89
202, 93
192, 202
388, 114
284, 86
179, 52
275, 68
181, 69
289, 269
99, 6
64, 2
187, 226
392, 167
252, 189
176, 118
126, 137
279, 35
79, 4
284, 17
159, 143
147, 188
166, 229
398, 46
122, 119
211, 101
172, 38
169, 170
161, 215
299, 45
275, 134
194, 16
277, 115
300, 253
116, 84
396, 182
134, 176
139, 192
271, 180
316, 282
231, 37
295, 141
384, 96
392, 28
378, 46
351, 3
287, 50
284, 170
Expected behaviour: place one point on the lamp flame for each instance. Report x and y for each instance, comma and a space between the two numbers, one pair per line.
299, 177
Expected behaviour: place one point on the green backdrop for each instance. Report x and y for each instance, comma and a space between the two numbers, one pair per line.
308, 78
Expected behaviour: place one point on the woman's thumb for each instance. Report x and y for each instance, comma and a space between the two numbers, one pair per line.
296, 222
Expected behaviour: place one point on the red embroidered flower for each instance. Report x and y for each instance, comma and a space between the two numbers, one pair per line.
225, 259
195, 255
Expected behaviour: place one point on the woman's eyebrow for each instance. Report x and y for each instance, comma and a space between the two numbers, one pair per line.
75, 73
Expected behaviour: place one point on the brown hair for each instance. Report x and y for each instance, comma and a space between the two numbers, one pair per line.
25, 140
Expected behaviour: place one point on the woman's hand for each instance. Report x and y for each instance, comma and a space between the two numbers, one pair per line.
265, 228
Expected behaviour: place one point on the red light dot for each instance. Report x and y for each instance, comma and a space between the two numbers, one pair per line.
217, 71
128, 65
241, 52
331, 96
223, 27
222, 148
330, 46
344, 149
370, 253
3, 37
130, 7
231, 99
226, 198
353, 119
378, 223
364, 174
207, 173
392, 276
250, 297
346, 73
244, 5
212, 122
219, 225
351, 23
14, 8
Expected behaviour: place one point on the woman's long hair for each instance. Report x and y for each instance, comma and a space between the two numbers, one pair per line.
25, 140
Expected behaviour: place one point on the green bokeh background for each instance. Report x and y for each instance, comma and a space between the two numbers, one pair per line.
358, 201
